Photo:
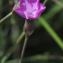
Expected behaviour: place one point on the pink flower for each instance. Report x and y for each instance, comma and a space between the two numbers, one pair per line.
30, 9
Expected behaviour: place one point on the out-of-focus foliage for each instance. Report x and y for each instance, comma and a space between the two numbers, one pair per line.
40, 42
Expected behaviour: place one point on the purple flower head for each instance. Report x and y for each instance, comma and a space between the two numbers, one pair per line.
30, 9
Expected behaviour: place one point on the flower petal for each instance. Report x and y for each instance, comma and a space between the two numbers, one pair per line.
30, 9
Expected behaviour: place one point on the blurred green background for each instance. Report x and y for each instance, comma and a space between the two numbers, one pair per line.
45, 45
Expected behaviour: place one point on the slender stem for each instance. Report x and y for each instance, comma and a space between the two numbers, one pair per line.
25, 41
20, 37
4, 18
9, 14
45, 2
23, 49
51, 31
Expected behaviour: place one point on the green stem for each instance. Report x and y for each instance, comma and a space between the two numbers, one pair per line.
51, 31
20, 37
23, 49
4, 18
9, 14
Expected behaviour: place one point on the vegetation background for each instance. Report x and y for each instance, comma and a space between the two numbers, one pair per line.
44, 45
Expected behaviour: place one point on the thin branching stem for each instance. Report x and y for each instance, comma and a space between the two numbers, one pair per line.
25, 41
